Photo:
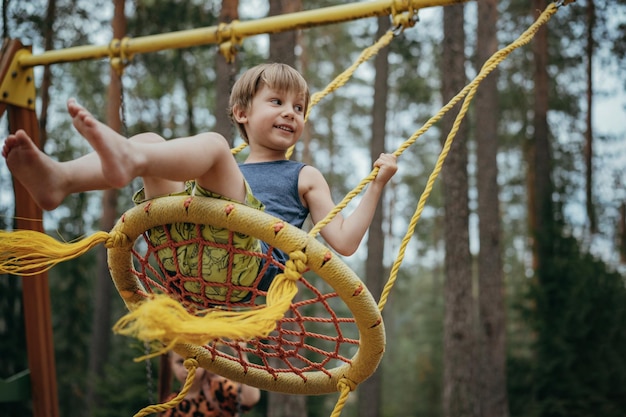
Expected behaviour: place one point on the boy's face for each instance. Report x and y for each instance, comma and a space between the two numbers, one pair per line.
275, 119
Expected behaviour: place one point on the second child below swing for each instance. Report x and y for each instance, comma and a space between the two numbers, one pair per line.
268, 104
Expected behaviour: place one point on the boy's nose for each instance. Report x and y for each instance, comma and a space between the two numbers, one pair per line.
288, 113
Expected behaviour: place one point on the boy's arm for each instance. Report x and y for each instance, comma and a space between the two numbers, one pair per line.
344, 234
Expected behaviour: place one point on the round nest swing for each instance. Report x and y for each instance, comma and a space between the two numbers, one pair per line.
333, 330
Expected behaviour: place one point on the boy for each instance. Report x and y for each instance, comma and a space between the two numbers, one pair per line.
268, 103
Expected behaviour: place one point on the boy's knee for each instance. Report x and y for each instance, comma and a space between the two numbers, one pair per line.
147, 138
218, 142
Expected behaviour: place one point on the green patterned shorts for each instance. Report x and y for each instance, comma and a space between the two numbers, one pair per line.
214, 260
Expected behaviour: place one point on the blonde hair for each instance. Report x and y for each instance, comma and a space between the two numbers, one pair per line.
280, 77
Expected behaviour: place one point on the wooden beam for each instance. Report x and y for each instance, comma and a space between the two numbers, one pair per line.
35, 290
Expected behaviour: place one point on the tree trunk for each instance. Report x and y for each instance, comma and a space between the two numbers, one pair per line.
282, 49
591, 216
283, 44
101, 322
225, 77
540, 202
459, 387
621, 227
46, 80
370, 391
492, 337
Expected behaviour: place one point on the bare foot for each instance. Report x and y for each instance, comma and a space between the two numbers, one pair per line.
36, 171
115, 151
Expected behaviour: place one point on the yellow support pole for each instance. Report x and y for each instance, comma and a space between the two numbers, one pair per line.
233, 32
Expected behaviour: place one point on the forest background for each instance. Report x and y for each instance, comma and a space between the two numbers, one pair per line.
510, 302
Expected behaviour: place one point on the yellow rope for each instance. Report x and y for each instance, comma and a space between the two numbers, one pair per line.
339, 81
469, 92
292, 272
345, 387
342, 78
192, 366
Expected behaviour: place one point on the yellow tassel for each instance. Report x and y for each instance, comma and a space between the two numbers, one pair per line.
27, 252
162, 319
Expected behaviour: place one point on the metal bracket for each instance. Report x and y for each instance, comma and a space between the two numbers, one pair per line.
228, 40
18, 86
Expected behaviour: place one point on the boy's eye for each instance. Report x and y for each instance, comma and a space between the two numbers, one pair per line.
276, 101
299, 108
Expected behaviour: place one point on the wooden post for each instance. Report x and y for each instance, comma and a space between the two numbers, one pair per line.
36, 293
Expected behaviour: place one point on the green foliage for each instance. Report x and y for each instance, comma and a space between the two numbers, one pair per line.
70, 293
578, 315
12, 338
412, 375
12, 332
127, 386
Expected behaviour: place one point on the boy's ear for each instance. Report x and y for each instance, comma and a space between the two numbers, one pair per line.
239, 114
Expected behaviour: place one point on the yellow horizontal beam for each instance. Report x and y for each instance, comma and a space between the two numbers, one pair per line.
235, 31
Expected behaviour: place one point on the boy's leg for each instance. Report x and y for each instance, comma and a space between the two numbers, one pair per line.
49, 181
155, 186
163, 165
205, 157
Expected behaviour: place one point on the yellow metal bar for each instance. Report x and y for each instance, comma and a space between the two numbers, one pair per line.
18, 85
236, 30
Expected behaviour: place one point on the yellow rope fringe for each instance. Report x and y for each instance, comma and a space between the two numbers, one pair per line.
162, 319
28, 252
192, 366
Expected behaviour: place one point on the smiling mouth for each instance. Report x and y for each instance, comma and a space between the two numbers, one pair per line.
285, 128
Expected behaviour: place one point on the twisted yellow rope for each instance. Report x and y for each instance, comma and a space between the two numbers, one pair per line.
468, 91
342, 78
192, 366
345, 387
339, 81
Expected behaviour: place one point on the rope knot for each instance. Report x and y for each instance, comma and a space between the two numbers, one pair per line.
346, 383
116, 239
191, 363
296, 265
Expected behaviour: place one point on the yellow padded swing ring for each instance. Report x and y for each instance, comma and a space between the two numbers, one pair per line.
240, 218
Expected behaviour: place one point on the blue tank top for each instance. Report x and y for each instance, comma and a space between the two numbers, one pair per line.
275, 184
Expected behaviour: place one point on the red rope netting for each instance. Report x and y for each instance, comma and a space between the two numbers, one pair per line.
317, 332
